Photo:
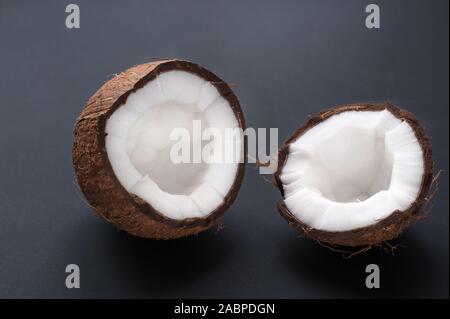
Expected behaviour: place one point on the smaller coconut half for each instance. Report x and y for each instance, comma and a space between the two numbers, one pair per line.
355, 175
123, 149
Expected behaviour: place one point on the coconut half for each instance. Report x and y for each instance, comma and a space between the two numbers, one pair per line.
355, 175
123, 143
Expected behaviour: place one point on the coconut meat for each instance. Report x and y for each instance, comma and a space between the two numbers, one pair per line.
138, 144
352, 170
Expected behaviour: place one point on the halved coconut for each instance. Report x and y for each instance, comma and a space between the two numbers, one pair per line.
355, 174
122, 149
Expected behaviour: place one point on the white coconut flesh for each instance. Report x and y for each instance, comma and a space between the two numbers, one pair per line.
352, 170
138, 145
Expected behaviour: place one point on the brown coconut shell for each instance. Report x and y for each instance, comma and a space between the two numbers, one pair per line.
94, 174
386, 229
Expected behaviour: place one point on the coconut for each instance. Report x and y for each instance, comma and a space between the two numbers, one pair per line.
122, 150
355, 175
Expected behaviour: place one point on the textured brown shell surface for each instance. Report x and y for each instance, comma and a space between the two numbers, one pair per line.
94, 174
386, 229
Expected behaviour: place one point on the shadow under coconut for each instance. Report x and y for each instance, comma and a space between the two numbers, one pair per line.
163, 268
407, 273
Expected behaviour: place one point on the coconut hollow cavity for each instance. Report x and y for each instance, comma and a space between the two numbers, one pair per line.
123, 143
355, 175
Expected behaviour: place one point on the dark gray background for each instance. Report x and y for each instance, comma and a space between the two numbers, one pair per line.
289, 59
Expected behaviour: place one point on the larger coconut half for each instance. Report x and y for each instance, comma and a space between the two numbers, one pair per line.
123, 142
355, 174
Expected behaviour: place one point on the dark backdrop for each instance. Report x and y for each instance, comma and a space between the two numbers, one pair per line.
288, 59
